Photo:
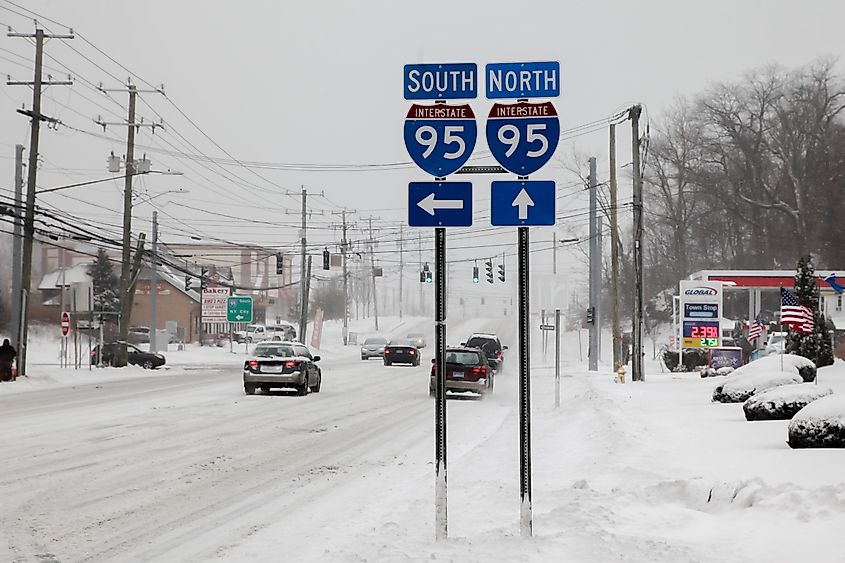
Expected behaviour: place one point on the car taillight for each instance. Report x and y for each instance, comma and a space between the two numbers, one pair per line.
481, 369
500, 354
290, 364
411, 352
252, 363
386, 351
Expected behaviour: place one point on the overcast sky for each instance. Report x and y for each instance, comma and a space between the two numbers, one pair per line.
321, 83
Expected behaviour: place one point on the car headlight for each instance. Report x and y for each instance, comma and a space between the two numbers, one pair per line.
159, 356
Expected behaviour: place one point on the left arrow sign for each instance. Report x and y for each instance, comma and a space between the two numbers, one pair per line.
430, 205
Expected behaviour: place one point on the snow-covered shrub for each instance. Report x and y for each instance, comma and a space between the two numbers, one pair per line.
821, 424
727, 370
781, 403
781, 362
693, 358
738, 388
707, 372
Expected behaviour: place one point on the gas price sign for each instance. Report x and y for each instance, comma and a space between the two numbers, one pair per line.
701, 334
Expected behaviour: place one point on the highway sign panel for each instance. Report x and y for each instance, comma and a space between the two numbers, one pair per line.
522, 203
440, 204
65, 323
447, 81
523, 80
440, 138
547, 327
523, 137
239, 309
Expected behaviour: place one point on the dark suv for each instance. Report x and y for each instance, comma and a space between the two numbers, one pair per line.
467, 369
490, 345
135, 356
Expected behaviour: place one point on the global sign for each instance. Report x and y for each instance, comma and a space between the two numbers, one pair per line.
523, 137
701, 291
440, 138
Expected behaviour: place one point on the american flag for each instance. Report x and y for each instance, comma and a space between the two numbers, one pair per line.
756, 328
792, 313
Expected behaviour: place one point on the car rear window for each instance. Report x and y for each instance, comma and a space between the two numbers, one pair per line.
463, 358
278, 351
482, 343
375, 341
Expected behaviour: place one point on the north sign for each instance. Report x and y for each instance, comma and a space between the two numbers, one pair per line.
440, 204
523, 137
522, 203
440, 138
523, 80
448, 81
239, 309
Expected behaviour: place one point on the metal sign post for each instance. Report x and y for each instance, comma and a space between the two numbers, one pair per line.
525, 513
441, 528
557, 358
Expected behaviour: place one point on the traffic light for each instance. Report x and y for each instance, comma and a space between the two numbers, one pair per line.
502, 271
590, 315
326, 258
280, 263
422, 276
188, 280
475, 274
489, 267
425, 275
203, 276
428, 278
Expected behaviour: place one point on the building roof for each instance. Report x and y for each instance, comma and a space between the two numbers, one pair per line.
66, 277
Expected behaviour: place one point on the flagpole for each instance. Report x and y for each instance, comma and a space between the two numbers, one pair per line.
780, 328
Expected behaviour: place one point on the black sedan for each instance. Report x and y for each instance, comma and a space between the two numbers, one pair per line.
401, 352
135, 356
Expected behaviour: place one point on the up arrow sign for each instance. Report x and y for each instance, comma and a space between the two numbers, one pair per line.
430, 205
523, 201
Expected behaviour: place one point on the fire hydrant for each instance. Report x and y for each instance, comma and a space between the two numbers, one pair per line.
620, 374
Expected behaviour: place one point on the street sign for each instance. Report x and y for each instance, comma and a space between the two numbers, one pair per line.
239, 309
523, 80
482, 170
65, 323
449, 81
523, 137
440, 204
547, 327
440, 138
522, 203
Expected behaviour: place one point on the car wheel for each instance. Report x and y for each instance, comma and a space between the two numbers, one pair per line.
316, 388
430, 392
249, 389
148, 364
363, 357
387, 363
417, 363
265, 389
303, 389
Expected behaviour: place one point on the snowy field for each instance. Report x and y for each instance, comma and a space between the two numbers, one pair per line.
179, 465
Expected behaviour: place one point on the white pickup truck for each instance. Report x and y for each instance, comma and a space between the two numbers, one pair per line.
260, 332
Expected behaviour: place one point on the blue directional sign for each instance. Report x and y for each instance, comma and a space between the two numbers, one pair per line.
523, 136
448, 81
440, 204
522, 203
440, 138
523, 80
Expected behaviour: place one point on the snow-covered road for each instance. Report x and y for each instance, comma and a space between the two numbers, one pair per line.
185, 467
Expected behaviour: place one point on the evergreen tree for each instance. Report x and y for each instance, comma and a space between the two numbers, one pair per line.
106, 284
816, 345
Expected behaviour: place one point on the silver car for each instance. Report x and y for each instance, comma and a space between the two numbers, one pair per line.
288, 365
373, 347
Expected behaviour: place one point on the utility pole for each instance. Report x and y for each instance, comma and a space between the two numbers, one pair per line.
419, 250
373, 271
127, 296
595, 270
29, 217
638, 374
344, 250
401, 267
17, 248
154, 287
614, 254
554, 253
303, 299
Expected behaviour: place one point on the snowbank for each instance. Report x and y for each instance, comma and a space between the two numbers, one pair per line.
738, 388
781, 362
821, 424
781, 403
